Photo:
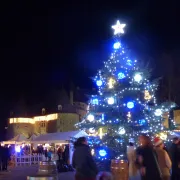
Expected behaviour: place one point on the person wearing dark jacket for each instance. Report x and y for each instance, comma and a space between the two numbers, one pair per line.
175, 158
147, 160
83, 162
5, 157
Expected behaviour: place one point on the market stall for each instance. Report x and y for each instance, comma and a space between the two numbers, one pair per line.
61, 140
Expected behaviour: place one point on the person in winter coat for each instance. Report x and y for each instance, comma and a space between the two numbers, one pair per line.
174, 153
163, 159
133, 170
83, 162
146, 159
49, 154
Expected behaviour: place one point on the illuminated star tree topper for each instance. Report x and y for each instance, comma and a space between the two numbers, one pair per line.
118, 28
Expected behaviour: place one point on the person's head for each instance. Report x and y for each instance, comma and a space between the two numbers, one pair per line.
175, 140
80, 141
145, 140
131, 144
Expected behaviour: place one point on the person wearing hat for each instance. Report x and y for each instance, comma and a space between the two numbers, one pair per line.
163, 159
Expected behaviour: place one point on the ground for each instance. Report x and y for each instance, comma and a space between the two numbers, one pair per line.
21, 173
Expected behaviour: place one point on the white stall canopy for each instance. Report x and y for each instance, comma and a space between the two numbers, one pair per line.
19, 139
58, 137
33, 137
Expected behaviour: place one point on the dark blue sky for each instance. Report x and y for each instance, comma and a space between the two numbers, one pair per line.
47, 43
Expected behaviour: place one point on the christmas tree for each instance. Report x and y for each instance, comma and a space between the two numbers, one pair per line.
125, 105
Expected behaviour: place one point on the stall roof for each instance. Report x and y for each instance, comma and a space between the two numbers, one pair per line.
16, 140
58, 137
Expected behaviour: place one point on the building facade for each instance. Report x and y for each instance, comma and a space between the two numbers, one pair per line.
57, 122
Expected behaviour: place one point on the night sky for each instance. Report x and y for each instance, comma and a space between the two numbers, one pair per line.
45, 44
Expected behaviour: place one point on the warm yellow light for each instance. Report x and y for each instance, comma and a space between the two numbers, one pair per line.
34, 119
46, 118
21, 120
163, 136
111, 83
147, 96
100, 133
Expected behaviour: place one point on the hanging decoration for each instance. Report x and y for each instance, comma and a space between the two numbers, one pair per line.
121, 131
147, 95
111, 83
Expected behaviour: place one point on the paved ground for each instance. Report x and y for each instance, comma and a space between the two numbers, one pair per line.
21, 173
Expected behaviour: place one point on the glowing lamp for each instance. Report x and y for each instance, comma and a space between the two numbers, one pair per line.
117, 45
121, 75
18, 149
102, 152
111, 100
90, 117
99, 83
130, 105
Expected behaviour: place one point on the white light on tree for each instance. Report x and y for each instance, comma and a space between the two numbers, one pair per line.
111, 100
99, 83
121, 131
90, 117
92, 152
118, 28
117, 45
158, 112
129, 62
138, 77
92, 130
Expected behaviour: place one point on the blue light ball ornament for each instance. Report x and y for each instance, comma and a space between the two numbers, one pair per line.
117, 45
102, 152
99, 83
95, 101
121, 75
130, 105
142, 122
129, 62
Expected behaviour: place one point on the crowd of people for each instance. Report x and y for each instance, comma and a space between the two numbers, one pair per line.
149, 161
152, 160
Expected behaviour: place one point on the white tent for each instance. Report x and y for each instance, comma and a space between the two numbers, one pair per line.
19, 139
58, 137
33, 137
